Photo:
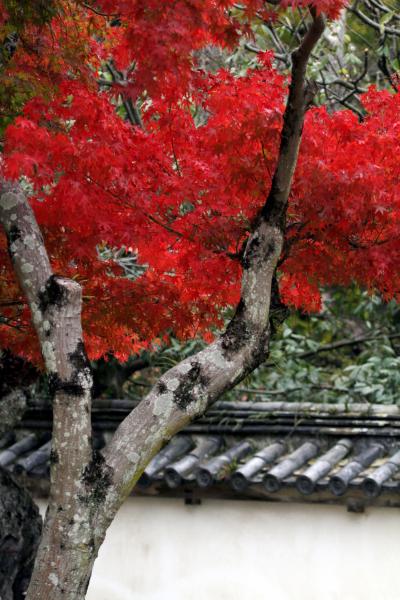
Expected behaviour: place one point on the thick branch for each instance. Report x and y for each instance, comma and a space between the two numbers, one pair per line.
186, 390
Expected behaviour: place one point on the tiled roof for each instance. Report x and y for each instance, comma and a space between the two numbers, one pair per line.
272, 451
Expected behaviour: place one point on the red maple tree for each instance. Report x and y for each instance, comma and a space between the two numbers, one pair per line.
183, 198
211, 213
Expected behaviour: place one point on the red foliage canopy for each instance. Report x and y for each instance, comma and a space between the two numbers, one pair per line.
181, 197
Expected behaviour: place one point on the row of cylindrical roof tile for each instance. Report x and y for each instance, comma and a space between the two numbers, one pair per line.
272, 466
243, 464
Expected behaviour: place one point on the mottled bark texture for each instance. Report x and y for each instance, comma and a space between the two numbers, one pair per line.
87, 490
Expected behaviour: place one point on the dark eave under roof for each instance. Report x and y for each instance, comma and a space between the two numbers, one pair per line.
262, 451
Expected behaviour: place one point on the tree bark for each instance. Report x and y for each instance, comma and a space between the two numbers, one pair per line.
87, 490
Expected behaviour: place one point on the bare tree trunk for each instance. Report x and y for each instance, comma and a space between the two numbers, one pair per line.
87, 490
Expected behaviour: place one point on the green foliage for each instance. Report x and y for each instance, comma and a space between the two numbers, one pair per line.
124, 258
304, 365
366, 370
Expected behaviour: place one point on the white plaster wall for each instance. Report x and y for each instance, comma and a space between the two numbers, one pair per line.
159, 549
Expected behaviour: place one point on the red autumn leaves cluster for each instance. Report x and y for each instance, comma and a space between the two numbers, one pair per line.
183, 197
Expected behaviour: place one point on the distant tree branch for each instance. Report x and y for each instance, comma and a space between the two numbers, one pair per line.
336, 346
300, 388
99, 12
120, 79
374, 24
